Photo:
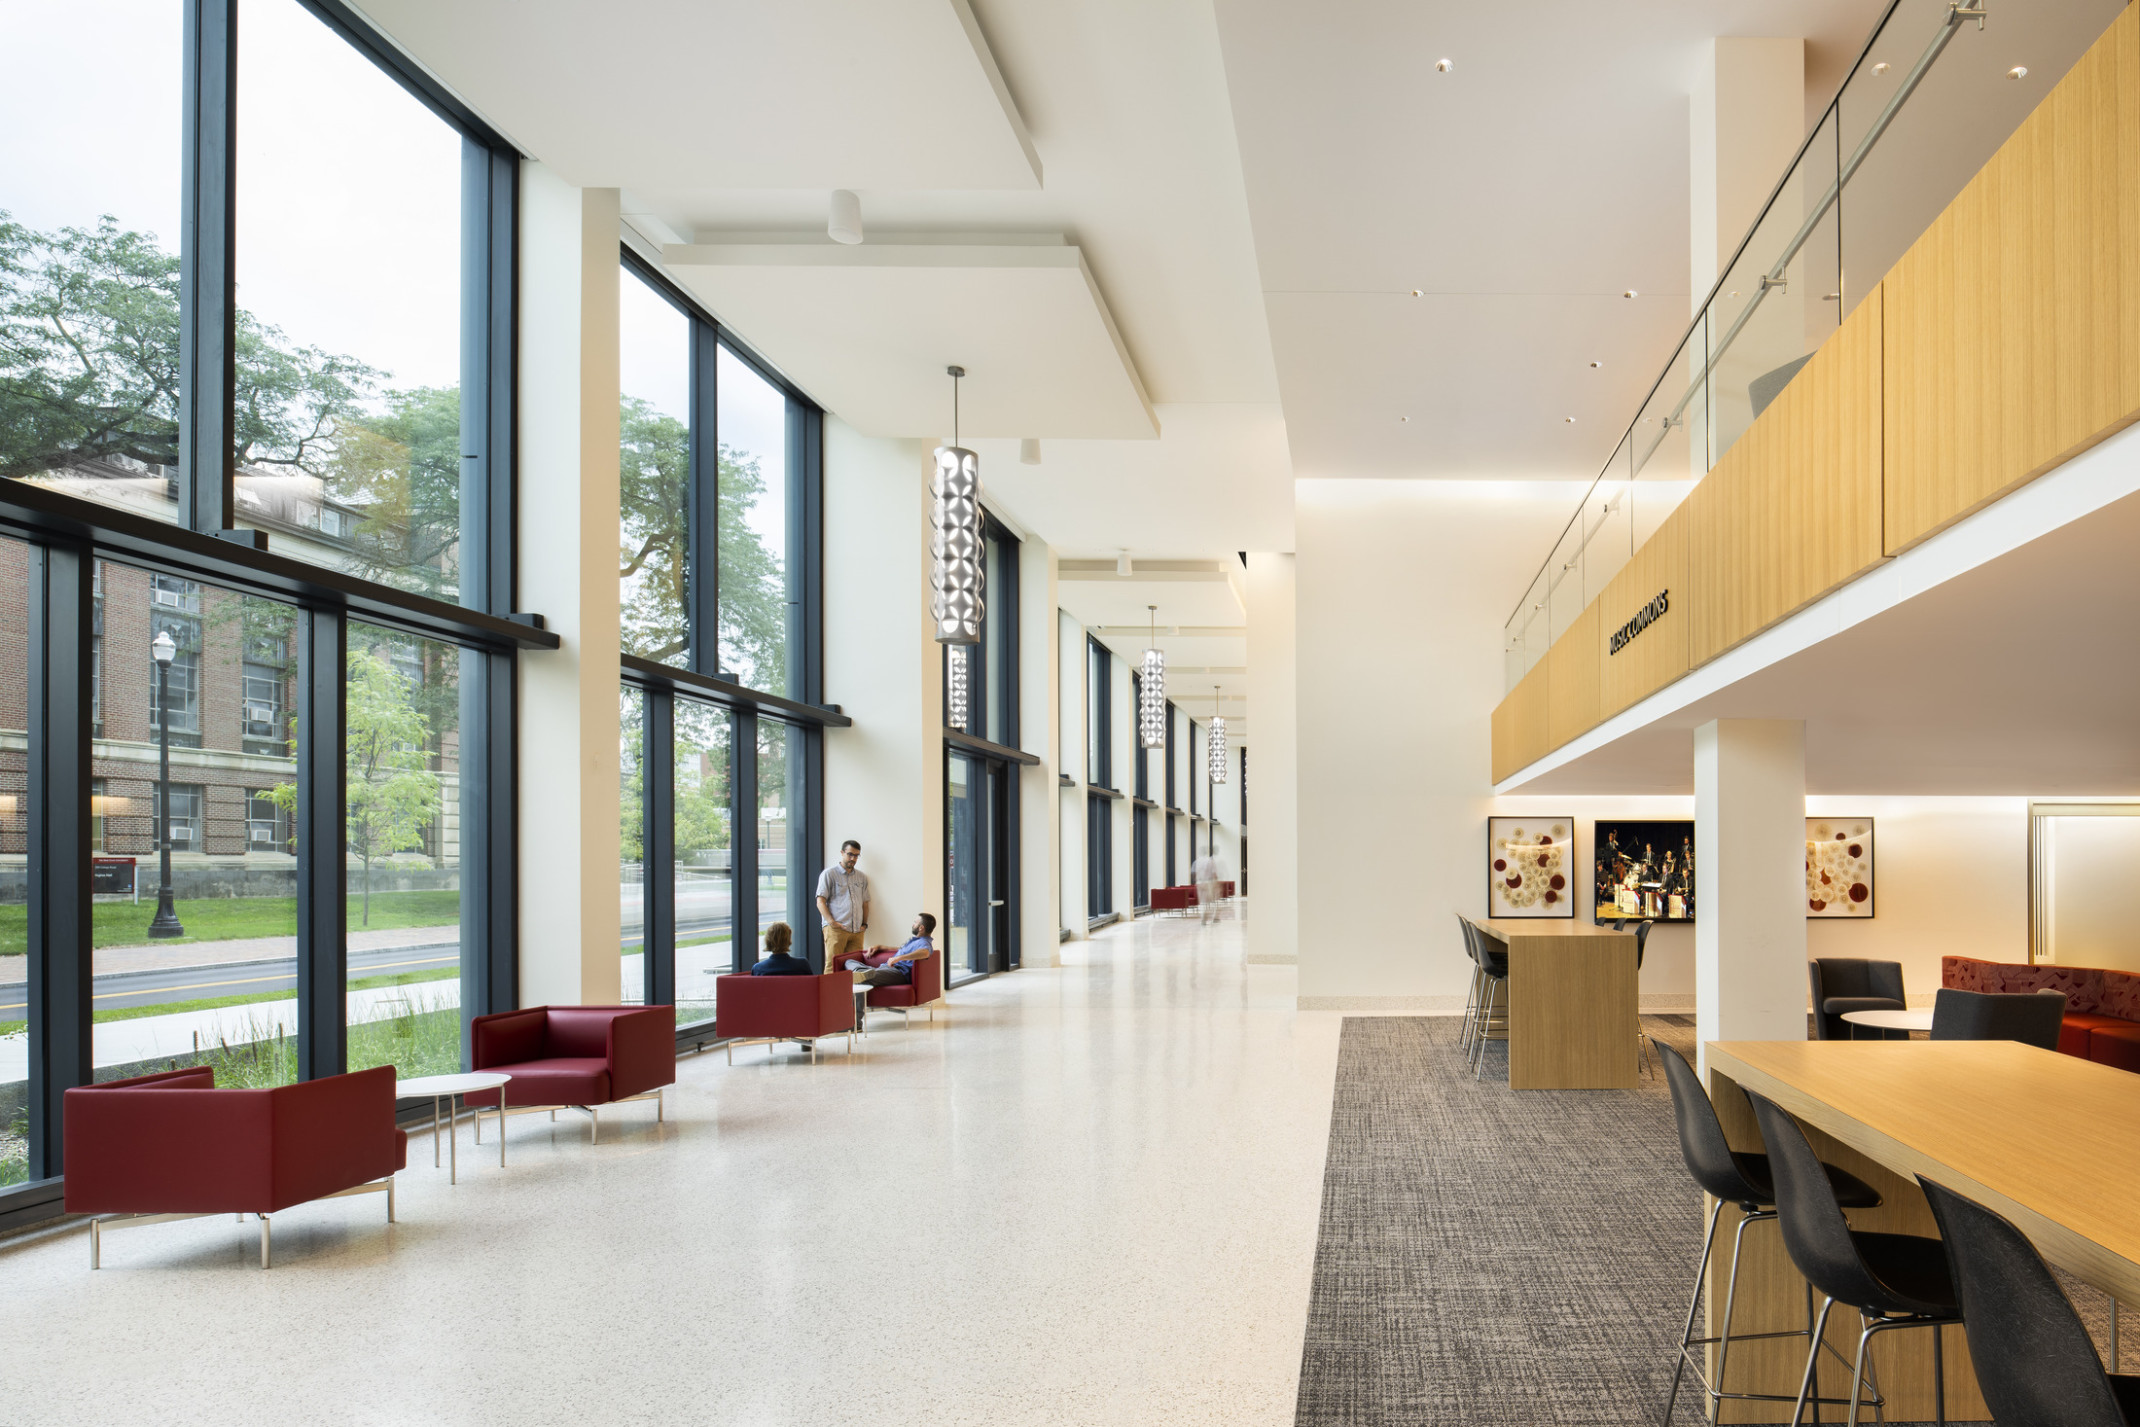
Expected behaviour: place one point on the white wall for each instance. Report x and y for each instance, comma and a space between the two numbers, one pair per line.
1274, 814
1402, 588
1040, 826
884, 777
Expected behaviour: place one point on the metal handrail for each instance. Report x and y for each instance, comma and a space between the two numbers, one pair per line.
1957, 12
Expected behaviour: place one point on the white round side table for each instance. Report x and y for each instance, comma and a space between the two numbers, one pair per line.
442, 1089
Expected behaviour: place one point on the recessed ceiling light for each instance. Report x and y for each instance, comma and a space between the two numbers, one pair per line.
1569, 420
1417, 293
1444, 65
1595, 365
1629, 293
1881, 68
2019, 71
1403, 419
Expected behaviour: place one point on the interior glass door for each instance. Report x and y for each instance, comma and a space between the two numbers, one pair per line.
965, 876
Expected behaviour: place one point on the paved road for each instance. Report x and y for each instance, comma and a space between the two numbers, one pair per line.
265, 978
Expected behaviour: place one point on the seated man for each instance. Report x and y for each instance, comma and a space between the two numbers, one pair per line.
778, 937
899, 971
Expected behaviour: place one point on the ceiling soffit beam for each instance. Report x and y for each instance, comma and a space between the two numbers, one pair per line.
987, 60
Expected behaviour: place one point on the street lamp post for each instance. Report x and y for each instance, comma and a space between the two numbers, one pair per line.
166, 924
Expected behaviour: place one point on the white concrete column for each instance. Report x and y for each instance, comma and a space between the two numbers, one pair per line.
569, 842
1274, 806
1750, 880
1070, 802
1747, 118
884, 777
1039, 791
1122, 771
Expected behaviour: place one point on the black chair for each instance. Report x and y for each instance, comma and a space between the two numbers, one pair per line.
1893, 1280
2031, 1018
1478, 977
1642, 940
1492, 955
1730, 1177
2034, 1359
1846, 984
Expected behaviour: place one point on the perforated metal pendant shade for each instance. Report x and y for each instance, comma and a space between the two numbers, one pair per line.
957, 570
1152, 693
955, 697
1215, 742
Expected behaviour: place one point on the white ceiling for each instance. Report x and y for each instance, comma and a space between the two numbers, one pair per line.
868, 330
2011, 678
1202, 623
670, 95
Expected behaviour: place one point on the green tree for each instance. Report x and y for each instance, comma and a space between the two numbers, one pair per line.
403, 468
391, 792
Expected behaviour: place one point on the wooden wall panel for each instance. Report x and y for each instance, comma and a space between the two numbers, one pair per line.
2013, 324
1572, 685
1794, 509
1521, 723
1658, 655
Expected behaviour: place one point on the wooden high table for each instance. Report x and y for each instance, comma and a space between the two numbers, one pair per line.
1572, 1022
2050, 1141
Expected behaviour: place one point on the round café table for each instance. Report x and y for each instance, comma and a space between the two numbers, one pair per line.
1913, 1020
442, 1090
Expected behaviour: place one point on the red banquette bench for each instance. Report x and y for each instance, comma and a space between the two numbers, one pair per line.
2102, 1007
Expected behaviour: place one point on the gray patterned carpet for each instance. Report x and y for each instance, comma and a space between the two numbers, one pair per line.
1489, 1257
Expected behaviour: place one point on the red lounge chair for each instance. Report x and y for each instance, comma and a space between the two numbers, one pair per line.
765, 1010
172, 1146
923, 993
576, 1058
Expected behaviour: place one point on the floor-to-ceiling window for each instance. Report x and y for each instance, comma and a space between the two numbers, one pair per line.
1099, 812
1140, 819
981, 759
703, 870
180, 221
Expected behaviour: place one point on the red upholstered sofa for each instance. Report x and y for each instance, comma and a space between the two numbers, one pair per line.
172, 1146
1174, 899
765, 1010
2102, 1007
576, 1057
923, 992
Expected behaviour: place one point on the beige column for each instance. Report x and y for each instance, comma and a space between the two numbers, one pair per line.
1274, 812
569, 843
1750, 880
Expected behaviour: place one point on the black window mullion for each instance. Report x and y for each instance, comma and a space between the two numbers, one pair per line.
60, 957
322, 838
490, 181
490, 870
743, 844
657, 801
208, 282
704, 502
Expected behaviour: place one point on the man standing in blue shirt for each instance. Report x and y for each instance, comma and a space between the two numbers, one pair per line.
899, 971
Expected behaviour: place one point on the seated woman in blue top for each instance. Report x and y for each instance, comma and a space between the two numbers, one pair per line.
899, 971
777, 961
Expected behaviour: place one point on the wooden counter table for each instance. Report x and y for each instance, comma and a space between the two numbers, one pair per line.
2050, 1141
1572, 1021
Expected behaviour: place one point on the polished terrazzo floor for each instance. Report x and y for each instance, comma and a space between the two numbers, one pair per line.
1089, 1195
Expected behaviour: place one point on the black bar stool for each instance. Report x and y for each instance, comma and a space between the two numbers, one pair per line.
1478, 976
1728, 1176
2034, 1358
1893, 1280
1493, 966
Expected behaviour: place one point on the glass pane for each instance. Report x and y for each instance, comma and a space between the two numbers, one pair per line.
348, 444
213, 979
1671, 441
14, 894
998, 632
772, 822
89, 230
753, 533
631, 876
703, 867
402, 792
962, 862
654, 430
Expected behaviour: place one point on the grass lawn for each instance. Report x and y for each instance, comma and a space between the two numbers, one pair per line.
232, 918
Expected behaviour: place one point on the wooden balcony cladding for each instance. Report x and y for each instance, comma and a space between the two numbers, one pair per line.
1657, 655
2013, 324
1793, 510
1572, 680
1522, 724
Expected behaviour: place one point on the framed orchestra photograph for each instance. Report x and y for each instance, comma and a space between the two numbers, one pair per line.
1530, 867
1642, 871
1839, 868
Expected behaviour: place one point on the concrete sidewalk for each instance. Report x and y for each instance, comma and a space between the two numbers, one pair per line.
119, 960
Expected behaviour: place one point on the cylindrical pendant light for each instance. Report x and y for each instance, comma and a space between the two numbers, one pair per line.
955, 692
957, 568
1152, 692
1215, 744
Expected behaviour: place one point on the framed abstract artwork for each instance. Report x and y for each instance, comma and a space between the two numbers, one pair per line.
1530, 867
1642, 870
1839, 867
